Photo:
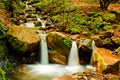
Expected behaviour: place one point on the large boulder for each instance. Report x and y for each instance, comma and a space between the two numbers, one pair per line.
104, 58
59, 47
22, 39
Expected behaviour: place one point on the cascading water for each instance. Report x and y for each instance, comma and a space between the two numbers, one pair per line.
30, 24
93, 50
44, 50
73, 61
41, 21
90, 66
73, 57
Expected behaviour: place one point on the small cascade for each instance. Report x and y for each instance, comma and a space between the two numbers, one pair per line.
44, 50
90, 66
30, 24
73, 57
93, 50
41, 21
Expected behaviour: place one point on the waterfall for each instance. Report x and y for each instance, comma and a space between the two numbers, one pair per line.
44, 50
93, 49
41, 21
73, 57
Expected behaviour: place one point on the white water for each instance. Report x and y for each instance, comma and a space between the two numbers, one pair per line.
93, 50
73, 57
45, 71
44, 49
42, 21
30, 24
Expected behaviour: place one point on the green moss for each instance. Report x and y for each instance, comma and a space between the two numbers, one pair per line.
2, 5
67, 42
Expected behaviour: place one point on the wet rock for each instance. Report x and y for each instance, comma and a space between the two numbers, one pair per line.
103, 58
22, 39
59, 46
85, 50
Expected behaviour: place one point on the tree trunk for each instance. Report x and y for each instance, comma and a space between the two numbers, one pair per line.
104, 4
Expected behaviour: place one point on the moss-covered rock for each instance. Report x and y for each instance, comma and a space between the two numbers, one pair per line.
59, 47
22, 39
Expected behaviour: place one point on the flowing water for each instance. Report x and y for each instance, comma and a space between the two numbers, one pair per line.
41, 21
73, 57
44, 49
30, 24
46, 71
90, 66
93, 50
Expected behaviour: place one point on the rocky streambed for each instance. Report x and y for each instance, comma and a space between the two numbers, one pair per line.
62, 26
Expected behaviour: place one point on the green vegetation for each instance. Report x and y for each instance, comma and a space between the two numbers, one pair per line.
12, 6
67, 42
2, 74
2, 31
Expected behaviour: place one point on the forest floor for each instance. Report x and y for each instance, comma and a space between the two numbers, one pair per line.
111, 6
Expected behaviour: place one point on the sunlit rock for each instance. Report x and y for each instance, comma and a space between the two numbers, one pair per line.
103, 58
87, 76
22, 39
59, 47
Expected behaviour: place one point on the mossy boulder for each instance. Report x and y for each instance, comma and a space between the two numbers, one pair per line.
59, 47
103, 58
23, 39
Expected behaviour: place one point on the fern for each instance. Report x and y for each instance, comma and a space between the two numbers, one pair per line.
2, 30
